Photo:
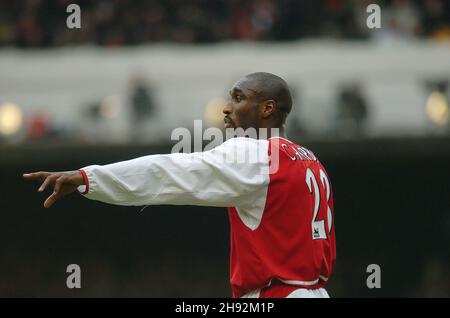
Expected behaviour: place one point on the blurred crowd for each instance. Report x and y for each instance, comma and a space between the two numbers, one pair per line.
42, 23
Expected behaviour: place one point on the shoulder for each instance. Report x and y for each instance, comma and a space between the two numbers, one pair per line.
245, 143
242, 150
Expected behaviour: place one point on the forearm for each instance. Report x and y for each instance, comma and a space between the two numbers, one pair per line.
132, 182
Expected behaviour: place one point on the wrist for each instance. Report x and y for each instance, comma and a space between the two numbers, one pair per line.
84, 181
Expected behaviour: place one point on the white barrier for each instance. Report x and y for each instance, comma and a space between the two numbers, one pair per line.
63, 81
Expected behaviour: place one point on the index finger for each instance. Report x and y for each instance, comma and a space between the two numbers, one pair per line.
36, 175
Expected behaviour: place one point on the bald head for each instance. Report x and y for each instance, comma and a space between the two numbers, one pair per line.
268, 86
258, 100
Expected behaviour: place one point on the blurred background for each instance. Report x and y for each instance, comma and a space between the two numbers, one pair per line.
373, 104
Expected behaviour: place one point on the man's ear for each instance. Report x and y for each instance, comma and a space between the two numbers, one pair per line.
268, 108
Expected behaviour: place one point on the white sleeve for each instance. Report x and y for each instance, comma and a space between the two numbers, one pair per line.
225, 176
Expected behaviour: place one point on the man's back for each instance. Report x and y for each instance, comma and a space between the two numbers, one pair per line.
292, 240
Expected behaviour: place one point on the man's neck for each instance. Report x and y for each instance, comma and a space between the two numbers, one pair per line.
273, 132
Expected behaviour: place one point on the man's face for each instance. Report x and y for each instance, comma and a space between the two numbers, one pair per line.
241, 110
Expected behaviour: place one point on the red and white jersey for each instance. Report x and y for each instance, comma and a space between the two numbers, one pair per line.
291, 238
278, 196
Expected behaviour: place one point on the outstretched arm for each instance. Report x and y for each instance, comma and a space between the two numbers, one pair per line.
225, 176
